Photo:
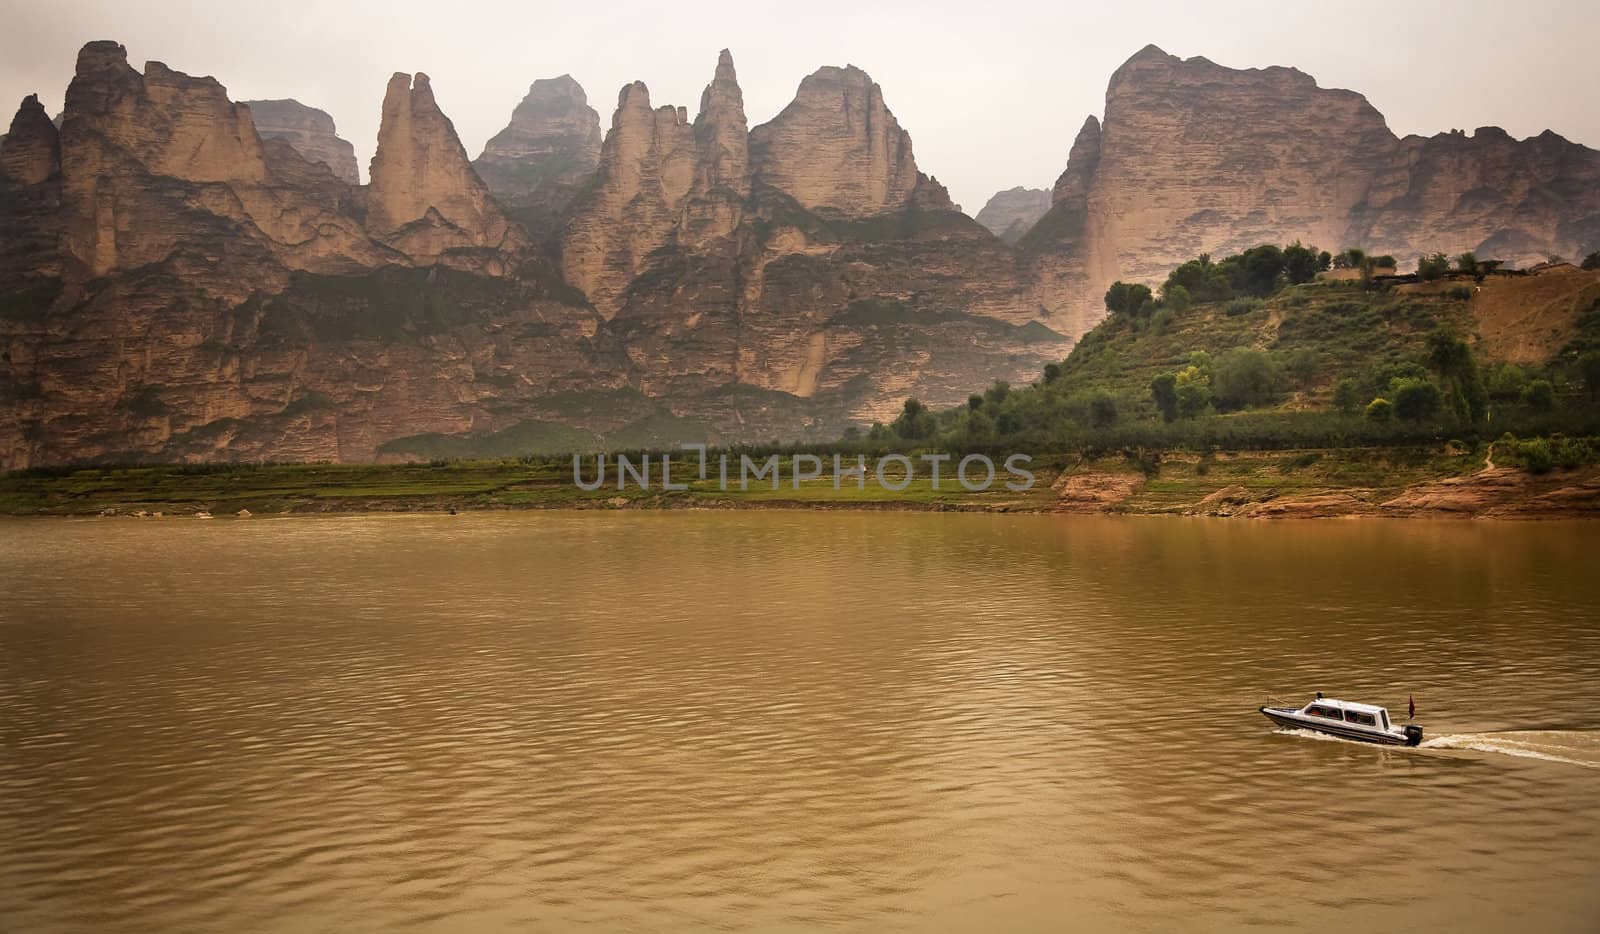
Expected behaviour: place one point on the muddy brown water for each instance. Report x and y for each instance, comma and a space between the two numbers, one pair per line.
780, 721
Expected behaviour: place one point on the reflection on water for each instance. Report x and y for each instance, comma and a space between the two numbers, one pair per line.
783, 721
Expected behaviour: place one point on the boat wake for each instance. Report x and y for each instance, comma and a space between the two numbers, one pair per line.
1573, 747
1570, 747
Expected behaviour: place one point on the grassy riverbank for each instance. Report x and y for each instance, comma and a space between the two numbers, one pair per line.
1438, 480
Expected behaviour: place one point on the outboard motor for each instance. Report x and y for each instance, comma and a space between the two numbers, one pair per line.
1413, 735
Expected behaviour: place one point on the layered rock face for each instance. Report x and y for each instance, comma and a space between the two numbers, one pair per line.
1520, 201
425, 199
162, 165
838, 151
310, 131
184, 289
1193, 157
806, 259
1011, 213
634, 206
183, 278
546, 153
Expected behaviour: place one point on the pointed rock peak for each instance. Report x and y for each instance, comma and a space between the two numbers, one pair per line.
420, 165
551, 144
838, 120
31, 150
562, 88
101, 54
1082, 160
634, 95
722, 99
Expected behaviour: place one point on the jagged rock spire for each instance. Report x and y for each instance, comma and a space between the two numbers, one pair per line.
32, 150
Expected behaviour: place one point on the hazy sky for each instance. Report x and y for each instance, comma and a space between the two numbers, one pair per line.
992, 93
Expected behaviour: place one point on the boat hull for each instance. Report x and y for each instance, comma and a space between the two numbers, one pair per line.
1290, 718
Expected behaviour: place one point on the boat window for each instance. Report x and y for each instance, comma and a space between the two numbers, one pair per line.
1365, 719
1384, 716
1329, 712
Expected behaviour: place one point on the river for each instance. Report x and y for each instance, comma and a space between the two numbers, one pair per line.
777, 721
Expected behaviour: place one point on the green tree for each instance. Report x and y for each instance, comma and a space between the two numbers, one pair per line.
1102, 410
1052, 372
1592, 261
1127, 298
1244, 377
1430, 268
1193, 389
1177, 297
1164, 393
1589, 367
1415, 400
1467, 263
1347, 395
1539, 395
915, 422
1299, 263
975, 401
1506, 381
1380, 410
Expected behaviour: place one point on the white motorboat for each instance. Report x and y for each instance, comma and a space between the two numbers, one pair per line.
1346, 720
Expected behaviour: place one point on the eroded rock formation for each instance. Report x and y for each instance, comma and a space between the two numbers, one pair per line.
545, 154
838, 151
30, 152
184, 278
310, 131
1194, 157
425, 199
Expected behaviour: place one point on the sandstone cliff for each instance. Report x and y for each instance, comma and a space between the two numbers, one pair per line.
805, 260
1011, 213
545, 154
178, 280
838, 151
425, 199
1194, 157
310, 131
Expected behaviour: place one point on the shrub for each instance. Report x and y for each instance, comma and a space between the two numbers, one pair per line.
1244, 377
1539, 395
1164, 393
1243, 306
1592, 261
1415, 400
1347, 396
1381, 411
1506, 381
1459, 293
1193, 389
1430, 268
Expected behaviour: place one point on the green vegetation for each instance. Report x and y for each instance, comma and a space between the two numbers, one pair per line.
1253, 352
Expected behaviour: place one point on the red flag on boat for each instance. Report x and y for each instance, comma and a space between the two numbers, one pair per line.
1411, 707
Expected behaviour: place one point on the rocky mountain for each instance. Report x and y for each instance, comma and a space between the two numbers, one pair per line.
185, 277
1194, 157
310, 131
1011, 213
537, 164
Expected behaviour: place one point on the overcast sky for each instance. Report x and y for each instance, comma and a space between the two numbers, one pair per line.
991, 93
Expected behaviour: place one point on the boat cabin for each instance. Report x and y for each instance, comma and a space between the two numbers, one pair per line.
1348, 712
